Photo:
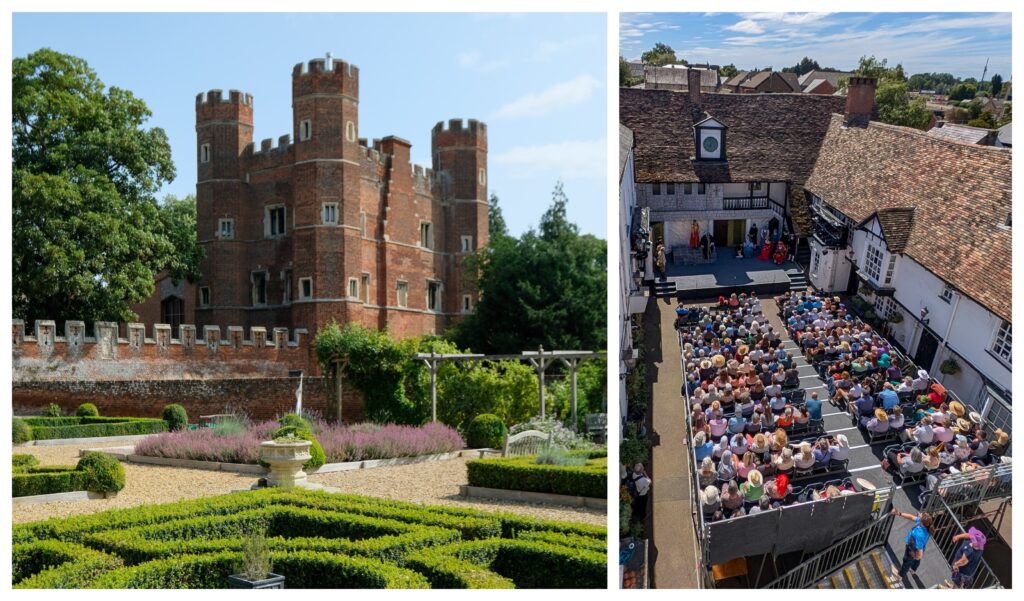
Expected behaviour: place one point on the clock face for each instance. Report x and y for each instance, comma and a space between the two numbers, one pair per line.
710, 144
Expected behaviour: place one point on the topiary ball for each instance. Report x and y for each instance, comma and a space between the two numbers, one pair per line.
53, 410
176, 417
486, 431
294, 419
22, 462
87, 410
317, 457
20, 431
103, 473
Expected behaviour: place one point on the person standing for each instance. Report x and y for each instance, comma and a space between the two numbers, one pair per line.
967, 557
659, 258
915, 541
641, 486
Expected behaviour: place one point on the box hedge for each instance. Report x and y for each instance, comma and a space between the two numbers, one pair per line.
316, 539
36, 481
50, 428
521, 473
20, 431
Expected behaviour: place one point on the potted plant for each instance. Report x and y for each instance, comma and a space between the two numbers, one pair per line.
896, 317
950, 367
254, 571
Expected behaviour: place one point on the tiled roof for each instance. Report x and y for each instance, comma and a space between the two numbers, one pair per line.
832, 77
896, 225
960, 193
770, 137
1006, 134
811, 87
737, 79
956, 132
756, 79
792, 80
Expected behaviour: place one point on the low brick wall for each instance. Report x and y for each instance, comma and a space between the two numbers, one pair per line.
260, 398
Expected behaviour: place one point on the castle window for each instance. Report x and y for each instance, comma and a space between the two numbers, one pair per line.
434, 296
330, 213
204, 153
204, 296
403, 294
305, 130
467, 244
305, 288
274, 221
366, 288
286, 286
670, 188
482, 176
362, 224
259, 287
353, 288
467, 303
172, 311
426, 235
350, 131
226, 229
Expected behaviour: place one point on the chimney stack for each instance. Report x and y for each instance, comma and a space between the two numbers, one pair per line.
693, 85
860, 101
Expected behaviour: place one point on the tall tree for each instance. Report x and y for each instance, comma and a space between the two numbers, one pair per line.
806, 65
997, 84
87, 231
894, 103
547, 287
661, 54
963, 91
178, 217
496, 227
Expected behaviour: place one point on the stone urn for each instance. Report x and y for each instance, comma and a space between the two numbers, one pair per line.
285, 459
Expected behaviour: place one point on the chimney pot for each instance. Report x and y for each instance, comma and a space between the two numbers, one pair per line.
860, 101
693, 85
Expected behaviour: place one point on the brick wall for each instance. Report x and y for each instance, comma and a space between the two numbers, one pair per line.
259, 398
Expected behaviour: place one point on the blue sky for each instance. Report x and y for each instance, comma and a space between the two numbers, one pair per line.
538, 81
956, 43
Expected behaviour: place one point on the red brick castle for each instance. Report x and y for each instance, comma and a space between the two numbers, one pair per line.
325, 226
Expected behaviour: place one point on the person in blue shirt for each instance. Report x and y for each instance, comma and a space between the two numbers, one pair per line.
737, 424
702, 447
967, 557
813, 407
865, 406
915, 541
889, 397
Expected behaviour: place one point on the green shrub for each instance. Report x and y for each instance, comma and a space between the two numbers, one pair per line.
486, 431
102, 472
316, 452
87, 410
553, 455
58, 564
53, 410
20, 431
176, 417
445, 571
36, 481
528, 563
294, 419
230, 426
21, 462
44, 428
521, 473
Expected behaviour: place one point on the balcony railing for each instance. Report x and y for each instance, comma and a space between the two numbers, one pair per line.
679, 202
745, 203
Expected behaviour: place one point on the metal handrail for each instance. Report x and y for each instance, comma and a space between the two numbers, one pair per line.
945, 526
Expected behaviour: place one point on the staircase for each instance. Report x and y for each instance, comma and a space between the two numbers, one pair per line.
803, 254
873, 570
797, 279
663, 289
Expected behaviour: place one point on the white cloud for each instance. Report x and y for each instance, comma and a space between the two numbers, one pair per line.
556, 97
476, 61
577, 158
746, 26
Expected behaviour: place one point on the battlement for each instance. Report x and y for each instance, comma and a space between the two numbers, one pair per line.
422, 179
218, 97
267, 145
325, 76
454, 133
107, 344
325, 65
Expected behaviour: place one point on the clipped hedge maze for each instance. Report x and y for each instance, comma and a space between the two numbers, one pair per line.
317, 540
49, 428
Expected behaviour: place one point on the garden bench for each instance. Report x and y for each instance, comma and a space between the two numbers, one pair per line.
530, 442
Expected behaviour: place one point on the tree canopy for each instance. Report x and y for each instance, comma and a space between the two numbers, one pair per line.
806, 65
88, 233
728, 70
661, 54
546, 287
894, 103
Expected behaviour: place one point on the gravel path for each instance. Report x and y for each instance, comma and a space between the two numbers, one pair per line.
435, 482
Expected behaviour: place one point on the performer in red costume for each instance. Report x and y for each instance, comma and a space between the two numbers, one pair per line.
781, 252
694, 234
766, 251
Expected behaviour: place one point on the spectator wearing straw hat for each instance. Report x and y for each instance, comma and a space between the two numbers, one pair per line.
753, 488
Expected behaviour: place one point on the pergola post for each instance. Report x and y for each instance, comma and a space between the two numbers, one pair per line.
432, 365
339, 370
572, 364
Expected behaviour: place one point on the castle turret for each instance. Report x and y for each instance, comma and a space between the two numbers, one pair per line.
325, 110
460, 176
223, 130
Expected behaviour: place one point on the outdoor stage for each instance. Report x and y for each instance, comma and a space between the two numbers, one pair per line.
727, 275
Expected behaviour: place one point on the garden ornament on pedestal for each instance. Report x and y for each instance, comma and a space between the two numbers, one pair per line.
285, 456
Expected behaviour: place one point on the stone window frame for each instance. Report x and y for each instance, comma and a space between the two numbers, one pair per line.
323, 213
350, 131
268, 221
466, 243
305, 130
353, 282
467, 303
204, 153
362, 224
402, 293
205, 296
438, 298
303, 283
230, 222
1002, 344
427, 235
364, 287
253, 291
481, 176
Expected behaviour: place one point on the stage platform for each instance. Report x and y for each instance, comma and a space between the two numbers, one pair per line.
728, 275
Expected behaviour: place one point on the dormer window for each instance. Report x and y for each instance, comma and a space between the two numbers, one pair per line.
709, 137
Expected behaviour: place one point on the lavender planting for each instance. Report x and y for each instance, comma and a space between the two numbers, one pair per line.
355, 442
